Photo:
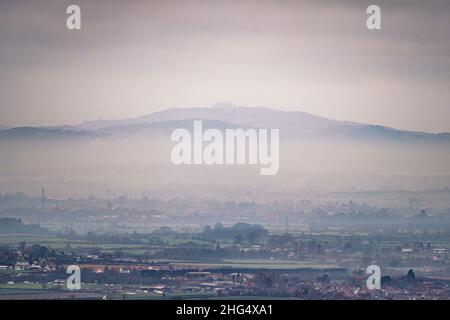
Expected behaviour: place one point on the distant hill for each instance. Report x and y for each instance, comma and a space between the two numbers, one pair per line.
257, 117
293, 125
116, 131
163, 127
42, 133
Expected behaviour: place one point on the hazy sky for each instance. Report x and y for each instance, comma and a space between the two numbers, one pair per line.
136, 57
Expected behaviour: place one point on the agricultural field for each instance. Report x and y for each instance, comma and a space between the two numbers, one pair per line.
65, 244
255, 264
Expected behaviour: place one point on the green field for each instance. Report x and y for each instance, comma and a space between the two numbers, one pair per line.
60, 243
256, 264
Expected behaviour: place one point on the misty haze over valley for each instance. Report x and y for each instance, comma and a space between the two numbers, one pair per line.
132, 157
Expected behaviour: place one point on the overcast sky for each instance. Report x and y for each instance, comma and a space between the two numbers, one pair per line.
136, 57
